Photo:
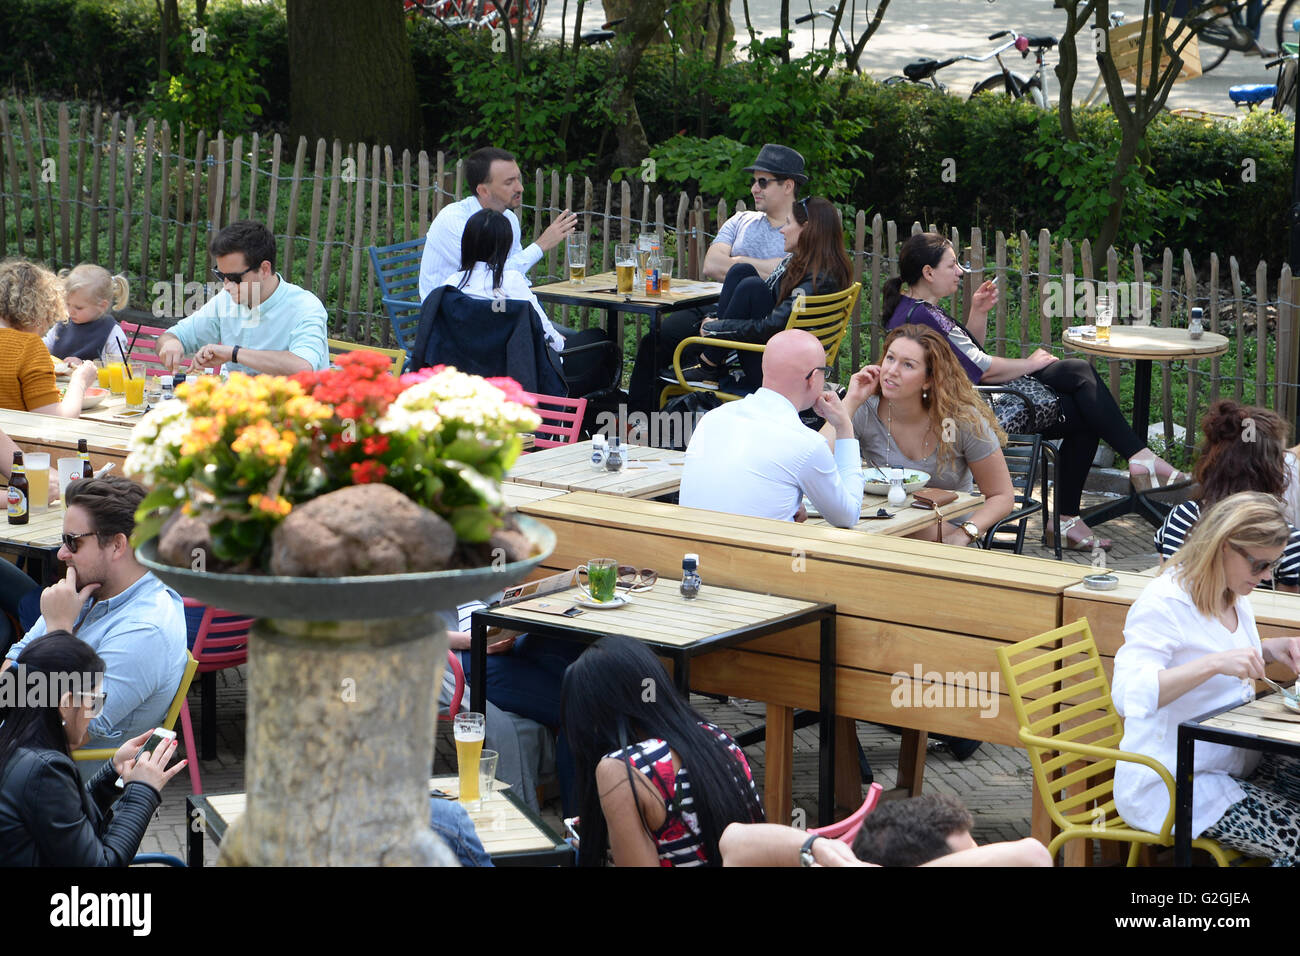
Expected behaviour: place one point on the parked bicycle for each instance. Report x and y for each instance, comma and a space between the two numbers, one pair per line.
1005, 81
1231, 26
481, 14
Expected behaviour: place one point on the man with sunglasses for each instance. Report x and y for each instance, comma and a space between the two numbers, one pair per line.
755, 236
755, 457
258, 322
113, 603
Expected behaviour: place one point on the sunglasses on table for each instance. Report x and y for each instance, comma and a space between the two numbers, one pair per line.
72, 541
636, 579
1257, 565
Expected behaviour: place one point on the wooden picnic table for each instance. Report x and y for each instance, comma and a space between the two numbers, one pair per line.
59, 436
647, 472
906, 519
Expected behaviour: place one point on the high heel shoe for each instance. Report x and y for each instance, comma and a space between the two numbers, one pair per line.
1149, 480
1090, 543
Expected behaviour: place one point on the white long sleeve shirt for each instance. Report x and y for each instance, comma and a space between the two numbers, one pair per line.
1163, 630
755, 457
442, 246
513, 286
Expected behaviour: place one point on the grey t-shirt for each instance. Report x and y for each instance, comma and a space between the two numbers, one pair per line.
879, 449
750, 234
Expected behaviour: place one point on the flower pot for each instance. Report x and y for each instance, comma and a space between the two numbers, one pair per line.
343, 676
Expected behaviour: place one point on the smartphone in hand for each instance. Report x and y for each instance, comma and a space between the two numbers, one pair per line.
156, 739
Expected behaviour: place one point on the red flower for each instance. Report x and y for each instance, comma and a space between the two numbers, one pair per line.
375, 445
514, 391
368, 472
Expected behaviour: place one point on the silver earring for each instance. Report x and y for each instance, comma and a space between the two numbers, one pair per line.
63, 722
925, 394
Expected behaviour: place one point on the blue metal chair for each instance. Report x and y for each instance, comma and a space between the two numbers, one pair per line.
397, 267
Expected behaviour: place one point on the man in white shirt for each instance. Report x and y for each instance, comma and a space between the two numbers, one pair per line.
494, 183
755, 457
755, 237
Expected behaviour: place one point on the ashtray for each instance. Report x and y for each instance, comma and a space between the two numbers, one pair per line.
1101, 582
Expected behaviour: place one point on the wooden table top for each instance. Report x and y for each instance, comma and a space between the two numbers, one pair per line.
50, 429
662, 616
501, 826
1263, 717
906, 519
1150, 342
518, 494
44, 529
647, 472
599, 290
1270, 607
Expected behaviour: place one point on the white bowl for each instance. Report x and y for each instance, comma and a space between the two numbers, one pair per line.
878, 479
93, 398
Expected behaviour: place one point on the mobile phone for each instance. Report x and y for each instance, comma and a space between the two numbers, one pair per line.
156, 739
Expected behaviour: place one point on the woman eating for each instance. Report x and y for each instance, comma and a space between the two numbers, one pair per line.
1087, 412
31, 301
917, 411
1190, 647
657, 784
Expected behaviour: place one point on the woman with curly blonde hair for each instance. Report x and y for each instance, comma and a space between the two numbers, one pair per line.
31, 300
917, 410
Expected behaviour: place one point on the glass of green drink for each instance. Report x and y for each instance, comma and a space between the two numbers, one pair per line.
602, 574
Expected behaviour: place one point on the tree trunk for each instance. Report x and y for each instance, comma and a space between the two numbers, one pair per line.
1067, 68
644, 21
1128, 149
350, 73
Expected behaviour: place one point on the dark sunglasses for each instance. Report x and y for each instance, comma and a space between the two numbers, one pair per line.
763, 182
71, 542
824, 369
234, 277
636, 579
1257, 565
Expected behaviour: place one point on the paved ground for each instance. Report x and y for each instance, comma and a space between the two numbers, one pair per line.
912, 29
994, 783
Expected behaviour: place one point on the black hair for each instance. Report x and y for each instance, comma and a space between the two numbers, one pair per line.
38, 725
911, 832
487, 238
616, 695
921, 250
110, 500
251, 238
478, 164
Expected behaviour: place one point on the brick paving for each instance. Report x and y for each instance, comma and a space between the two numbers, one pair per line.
994, 783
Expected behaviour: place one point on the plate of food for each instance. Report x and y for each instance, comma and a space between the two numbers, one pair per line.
878, 479
93, 398
61, 367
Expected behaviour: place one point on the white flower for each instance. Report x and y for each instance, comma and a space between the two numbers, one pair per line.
156, 439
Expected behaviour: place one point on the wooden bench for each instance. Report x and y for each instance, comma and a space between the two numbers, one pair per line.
917, 622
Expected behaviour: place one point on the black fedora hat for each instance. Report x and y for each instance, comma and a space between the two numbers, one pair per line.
781, 160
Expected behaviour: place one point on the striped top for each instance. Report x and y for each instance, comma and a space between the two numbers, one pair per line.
1179, 522
26, 372
678, 839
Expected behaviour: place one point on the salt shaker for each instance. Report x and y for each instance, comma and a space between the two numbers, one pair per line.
599, 449
1195, 324
897, 496
691, 576
614, 459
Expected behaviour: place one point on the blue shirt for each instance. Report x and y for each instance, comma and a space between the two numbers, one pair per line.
140, 634
441, 257
291, 319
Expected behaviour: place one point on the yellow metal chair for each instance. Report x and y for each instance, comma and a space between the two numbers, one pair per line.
338, 347
1070, 727
825, 316
100, 754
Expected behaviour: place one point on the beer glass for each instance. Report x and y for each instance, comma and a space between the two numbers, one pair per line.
625, 267
469, 729
576, 246
1105, 314
38, 481
645, 246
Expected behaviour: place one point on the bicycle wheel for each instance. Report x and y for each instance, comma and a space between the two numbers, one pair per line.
996, 85
1290, 10
1213, 42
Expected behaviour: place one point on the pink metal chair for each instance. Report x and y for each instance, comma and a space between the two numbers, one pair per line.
145, 348
457, 672
561, 420
847, 829
221, 642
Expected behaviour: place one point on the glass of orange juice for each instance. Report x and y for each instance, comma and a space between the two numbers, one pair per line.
116, 378
134, 386
103, 373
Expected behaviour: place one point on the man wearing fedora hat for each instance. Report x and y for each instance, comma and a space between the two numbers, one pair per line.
755, 237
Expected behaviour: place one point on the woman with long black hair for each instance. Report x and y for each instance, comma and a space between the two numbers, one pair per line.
657, 784
47, 818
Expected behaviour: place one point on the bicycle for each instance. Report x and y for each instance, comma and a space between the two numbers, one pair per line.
481, 14
1225, 30
1004, 81
1282, 94
829, 14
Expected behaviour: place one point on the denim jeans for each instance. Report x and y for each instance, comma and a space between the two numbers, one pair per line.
449, 820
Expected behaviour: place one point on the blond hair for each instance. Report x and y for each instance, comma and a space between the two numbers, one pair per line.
1248, 519
31, 296
96, 282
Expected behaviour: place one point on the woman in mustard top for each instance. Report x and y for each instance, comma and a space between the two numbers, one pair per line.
31, 300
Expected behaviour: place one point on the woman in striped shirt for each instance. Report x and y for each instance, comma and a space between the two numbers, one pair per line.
1244, 449
657, 784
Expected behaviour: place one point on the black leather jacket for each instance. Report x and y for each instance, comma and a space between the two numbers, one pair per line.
749, 330
47, 818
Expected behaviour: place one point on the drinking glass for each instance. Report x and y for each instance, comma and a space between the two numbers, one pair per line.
116, 378
469, 729
38, 480
487, 774
134, 386
104, 376
576, 246
602, 575
645, 245
1105, 314
69, 471
625, 267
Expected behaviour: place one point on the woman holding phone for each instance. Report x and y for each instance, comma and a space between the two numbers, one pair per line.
47, 817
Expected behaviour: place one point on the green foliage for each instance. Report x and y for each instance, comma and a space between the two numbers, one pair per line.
213, 89
713, 166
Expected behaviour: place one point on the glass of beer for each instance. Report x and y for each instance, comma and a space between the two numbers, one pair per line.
665, 273
469, 729
577, 252
625, 267
1105, 314
38, 481
645, 245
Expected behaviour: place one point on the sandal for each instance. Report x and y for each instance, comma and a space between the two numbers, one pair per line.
1090, 543
1149, 480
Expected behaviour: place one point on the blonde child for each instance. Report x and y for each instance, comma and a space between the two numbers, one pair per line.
31, 301
90, 330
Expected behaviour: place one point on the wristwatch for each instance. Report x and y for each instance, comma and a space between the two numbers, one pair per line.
972, 531
234, 354
805, 852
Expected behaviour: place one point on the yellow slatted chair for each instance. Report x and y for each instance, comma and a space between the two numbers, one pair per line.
101, 754
338, 347
825, 316
1069, 725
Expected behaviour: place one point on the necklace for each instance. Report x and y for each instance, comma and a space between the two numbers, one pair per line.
889, 429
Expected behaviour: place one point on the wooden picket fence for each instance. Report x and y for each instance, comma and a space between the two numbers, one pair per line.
143, 200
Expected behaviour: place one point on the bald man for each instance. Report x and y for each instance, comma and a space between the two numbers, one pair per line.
755, 457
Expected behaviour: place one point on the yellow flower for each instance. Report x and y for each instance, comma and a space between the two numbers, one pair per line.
273, 506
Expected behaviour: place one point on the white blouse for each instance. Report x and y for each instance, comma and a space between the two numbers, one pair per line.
513, 286
1163, 630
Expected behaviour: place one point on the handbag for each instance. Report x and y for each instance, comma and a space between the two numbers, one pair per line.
1018, 418
932, 499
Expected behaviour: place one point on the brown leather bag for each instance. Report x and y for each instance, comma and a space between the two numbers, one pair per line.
932, 499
